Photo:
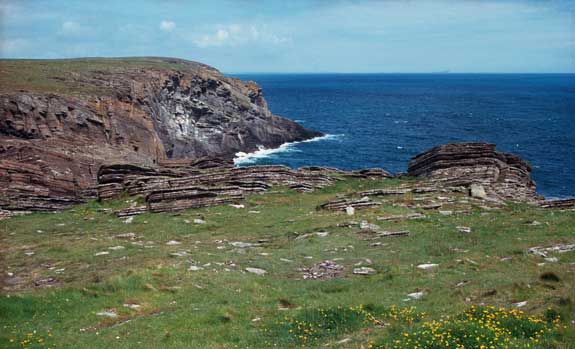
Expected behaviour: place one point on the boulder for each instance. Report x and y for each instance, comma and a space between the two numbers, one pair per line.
477, 191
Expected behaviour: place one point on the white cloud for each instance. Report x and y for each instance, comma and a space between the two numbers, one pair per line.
75, 29
236, 34
14, 47
71, 27
167, 26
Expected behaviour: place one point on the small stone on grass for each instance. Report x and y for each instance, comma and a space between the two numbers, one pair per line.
256, 271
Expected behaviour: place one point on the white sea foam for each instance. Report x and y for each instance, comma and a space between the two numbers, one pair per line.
242, 158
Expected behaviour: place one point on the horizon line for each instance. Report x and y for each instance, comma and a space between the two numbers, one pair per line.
437, 72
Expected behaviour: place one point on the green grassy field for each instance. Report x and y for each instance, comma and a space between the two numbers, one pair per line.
74, 77
57, 283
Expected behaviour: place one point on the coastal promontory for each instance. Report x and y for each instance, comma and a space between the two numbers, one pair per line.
60, 120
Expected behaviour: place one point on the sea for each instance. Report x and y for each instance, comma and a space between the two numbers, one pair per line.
383, 120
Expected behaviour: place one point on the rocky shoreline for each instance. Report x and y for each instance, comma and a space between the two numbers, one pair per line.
58, 127
172, 185
167, 130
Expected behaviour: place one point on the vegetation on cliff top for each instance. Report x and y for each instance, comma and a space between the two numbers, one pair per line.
64, 76
85, 278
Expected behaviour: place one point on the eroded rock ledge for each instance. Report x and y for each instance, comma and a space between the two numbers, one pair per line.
172, 185
490, 173
186, 185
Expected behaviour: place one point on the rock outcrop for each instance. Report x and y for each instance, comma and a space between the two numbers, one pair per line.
478, 166
562, 204
60, 120
192, 185
343, 204
167, 129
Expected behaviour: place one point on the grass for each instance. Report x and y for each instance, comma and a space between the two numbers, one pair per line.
75, 77
56, 293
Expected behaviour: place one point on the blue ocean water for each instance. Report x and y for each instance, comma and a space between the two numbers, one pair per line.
382, 120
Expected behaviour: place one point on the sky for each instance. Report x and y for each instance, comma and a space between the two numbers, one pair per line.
316, 36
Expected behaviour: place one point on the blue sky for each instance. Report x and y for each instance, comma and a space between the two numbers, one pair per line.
302, 36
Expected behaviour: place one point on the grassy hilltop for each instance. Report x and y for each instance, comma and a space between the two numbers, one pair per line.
79, 279
68, 76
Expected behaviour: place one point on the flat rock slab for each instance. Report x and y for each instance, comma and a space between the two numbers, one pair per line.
364, 271
401, 217
107, 313
427, 266
543, 251
343, 205
241, 244
256, 271
416, 295
129, 236
383, 233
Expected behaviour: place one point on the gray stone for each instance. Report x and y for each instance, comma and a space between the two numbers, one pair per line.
427, 266
416, 295
477, 191
108, 313
256, 271
364, 271
368, 226
242, 244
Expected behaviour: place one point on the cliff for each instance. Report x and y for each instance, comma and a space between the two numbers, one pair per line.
60, 120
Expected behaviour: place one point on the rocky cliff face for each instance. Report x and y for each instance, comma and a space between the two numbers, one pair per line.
199, 116
486, 172
66, 118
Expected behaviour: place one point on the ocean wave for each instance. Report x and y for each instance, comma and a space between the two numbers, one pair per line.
242, 158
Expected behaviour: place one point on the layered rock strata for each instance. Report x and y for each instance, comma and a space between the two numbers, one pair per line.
68, 117
176, 188
566, 204
343, 204
502, 176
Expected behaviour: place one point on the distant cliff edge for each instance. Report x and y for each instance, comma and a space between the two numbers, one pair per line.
62, 119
